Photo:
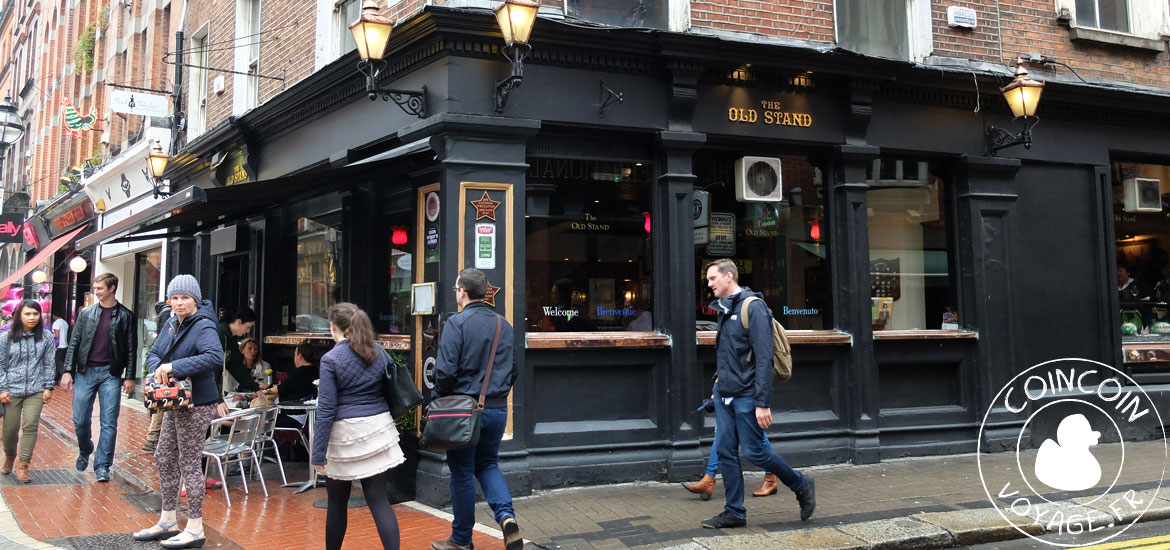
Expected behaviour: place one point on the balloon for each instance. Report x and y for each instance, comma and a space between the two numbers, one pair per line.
9, 307
15, 293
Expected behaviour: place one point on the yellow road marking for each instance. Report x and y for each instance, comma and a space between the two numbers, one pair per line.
1149, 543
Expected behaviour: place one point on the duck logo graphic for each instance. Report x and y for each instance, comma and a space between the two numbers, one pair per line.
1067, 464
1074, 426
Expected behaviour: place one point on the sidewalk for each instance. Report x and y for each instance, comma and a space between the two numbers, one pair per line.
68, 509
932, 502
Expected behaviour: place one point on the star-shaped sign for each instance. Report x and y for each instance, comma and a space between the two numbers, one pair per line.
485, 207
490, 296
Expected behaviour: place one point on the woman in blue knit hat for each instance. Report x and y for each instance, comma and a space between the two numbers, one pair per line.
187, 347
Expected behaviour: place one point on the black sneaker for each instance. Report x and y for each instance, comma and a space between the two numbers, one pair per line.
512, 538
807, 498
723, 521
81, 463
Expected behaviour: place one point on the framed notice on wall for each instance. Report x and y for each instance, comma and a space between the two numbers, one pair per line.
422, 299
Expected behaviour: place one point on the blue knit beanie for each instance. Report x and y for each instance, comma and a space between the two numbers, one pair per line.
185, 284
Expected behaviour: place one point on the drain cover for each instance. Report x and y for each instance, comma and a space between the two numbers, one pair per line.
50, 477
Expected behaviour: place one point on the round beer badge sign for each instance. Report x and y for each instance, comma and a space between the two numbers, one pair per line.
432, 208
1079, 430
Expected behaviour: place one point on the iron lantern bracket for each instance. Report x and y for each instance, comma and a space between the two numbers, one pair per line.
515, 54
412, 102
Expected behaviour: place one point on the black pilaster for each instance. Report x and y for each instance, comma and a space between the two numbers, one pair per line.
986, 201
849, 262
675, 273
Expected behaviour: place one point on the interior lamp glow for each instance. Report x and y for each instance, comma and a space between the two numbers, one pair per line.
77, 264
398, 236
814, 232
646, 225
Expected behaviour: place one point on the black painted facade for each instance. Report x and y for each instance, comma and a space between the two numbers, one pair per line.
1032, 229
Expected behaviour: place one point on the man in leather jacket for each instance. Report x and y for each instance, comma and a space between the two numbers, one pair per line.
99, 363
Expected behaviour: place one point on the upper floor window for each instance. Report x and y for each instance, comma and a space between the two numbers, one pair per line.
621, 13
198, 95
344, 13
1110, 15
247, 61
894, 29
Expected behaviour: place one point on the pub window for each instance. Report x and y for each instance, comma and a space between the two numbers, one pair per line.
395, 253
911, 282
620, 13
1143, 249
318, 273
778, 242
588, 264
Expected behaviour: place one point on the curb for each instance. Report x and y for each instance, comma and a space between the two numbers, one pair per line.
924, 531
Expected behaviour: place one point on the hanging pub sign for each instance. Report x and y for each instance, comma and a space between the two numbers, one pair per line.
234, 168
73, 123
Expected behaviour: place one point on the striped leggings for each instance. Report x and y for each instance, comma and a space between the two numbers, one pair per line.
180, 448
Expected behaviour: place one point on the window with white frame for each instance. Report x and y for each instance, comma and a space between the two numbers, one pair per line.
1149, 19
247, 58
344, 13
197, 98
894, 29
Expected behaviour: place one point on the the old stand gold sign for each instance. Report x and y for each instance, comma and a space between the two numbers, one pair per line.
770, 113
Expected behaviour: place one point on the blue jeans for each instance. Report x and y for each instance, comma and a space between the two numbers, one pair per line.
479, 462
97, 382
713, 461
736, 428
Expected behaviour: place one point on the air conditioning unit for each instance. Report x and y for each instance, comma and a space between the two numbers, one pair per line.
1142, 195
757, 179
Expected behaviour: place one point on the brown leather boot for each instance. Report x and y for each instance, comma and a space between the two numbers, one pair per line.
770, 486
22, 472
703, 487
6, 468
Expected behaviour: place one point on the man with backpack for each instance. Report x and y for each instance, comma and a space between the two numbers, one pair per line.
744, 355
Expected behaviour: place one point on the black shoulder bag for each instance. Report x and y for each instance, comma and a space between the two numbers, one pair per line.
452, 421
398, 388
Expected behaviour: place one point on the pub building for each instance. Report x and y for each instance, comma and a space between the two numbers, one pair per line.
916, 271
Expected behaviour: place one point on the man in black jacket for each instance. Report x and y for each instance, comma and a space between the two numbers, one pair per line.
464, 351
100, 361
743, 366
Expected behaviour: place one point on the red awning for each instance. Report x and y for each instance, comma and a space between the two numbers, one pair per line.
40, 258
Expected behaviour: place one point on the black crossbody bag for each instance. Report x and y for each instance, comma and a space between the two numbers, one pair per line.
452, 421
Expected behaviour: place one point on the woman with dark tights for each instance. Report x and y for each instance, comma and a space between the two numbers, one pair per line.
355, 436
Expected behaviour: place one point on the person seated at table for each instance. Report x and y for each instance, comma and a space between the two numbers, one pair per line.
298, 386
259, 368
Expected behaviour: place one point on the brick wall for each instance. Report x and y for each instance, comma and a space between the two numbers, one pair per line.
800, 19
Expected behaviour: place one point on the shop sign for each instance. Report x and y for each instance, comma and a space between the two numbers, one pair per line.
804, 114
71, 218
432, 245
138, 103
233, 169
721, 234
701, 235
11, 228
700, 206
432, 206
769, 112
485, 246
589, 225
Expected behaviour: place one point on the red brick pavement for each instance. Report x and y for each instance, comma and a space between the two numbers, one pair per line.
283, 520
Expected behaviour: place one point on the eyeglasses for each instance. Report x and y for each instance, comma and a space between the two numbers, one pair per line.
456, 289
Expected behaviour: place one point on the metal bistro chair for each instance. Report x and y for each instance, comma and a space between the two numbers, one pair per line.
266, 437
236, 448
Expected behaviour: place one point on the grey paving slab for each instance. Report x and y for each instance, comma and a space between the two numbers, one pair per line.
901, 534
824, 538
1126, 506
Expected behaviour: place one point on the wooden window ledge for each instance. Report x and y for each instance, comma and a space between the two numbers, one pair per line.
398, 342
924, 335
582, 340
707, 337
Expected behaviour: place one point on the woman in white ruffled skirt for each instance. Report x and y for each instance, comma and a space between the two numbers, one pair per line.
355, 436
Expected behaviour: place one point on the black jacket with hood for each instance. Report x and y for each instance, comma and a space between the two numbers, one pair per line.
738, 375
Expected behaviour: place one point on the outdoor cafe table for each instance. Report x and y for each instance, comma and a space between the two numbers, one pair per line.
311, 409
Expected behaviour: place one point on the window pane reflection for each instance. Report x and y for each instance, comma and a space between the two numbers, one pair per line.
588, 249
318, 274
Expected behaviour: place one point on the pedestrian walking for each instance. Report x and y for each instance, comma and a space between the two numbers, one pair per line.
355, 435
463, 352
26, 384
61, 334
743, 367
705, 487
162, 312
99, 362
187, 347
